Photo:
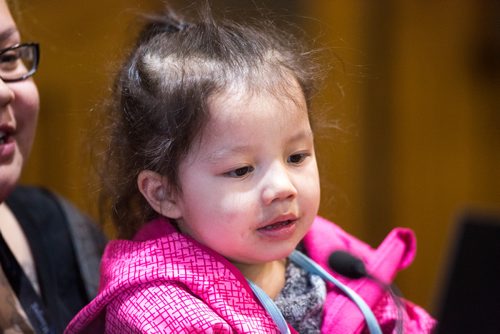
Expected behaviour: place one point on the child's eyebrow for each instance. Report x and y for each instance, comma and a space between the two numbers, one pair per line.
306, 134
224, 152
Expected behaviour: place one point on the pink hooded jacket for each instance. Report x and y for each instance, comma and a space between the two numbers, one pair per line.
165, 282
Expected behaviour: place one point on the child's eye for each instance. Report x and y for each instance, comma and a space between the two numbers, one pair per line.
240, 172
297, 158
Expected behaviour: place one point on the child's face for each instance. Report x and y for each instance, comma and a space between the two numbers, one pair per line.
250, 189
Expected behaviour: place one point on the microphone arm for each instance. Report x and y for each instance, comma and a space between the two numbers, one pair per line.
349, 266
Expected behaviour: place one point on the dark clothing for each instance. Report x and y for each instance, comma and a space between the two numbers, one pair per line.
66, 248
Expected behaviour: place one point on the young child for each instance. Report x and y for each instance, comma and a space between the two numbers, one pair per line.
216, 184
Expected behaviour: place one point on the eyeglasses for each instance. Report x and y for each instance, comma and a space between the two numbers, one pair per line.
19, 62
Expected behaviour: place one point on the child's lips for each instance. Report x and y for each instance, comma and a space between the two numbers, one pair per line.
280, 229
276, 226
279, 222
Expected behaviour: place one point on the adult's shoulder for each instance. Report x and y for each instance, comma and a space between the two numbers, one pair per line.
41, 208
53, 225
35, 207
68, 277
33, 203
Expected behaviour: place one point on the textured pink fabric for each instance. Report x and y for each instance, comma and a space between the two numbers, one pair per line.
170, 284
165, 282
396, 252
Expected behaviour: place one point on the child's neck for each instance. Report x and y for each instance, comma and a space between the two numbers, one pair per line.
269, 276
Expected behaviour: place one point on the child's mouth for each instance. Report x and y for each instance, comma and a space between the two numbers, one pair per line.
276, 226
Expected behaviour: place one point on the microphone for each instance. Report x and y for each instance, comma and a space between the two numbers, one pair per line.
349, 266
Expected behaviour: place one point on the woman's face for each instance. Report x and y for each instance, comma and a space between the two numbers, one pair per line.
19, 105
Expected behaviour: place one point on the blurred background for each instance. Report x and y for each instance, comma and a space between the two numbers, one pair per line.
412, 100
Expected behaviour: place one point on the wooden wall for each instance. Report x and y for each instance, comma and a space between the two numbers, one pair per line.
81, 42
412, 102
421, 86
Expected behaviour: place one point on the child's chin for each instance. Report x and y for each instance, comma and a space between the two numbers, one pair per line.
282, 253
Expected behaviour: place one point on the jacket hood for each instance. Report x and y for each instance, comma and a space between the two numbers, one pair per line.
160, 253
395, 253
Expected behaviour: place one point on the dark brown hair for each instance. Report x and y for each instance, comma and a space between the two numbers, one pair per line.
159, 103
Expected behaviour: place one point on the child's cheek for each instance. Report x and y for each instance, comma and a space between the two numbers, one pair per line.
239, 206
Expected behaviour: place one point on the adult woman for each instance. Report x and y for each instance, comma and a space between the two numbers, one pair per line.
49, 252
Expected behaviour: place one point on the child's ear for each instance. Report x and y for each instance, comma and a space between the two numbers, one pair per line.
154, 188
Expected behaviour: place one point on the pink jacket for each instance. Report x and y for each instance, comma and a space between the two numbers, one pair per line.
165, 282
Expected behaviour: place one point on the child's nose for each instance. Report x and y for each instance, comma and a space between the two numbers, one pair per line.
278, 185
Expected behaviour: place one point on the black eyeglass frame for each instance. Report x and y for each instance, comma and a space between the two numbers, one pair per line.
36, 60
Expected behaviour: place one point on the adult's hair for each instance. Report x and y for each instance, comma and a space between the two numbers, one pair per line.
159, 106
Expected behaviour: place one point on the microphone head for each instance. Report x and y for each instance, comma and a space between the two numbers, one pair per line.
347, 265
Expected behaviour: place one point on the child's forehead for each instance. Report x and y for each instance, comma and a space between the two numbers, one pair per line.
245, 93
248, 108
